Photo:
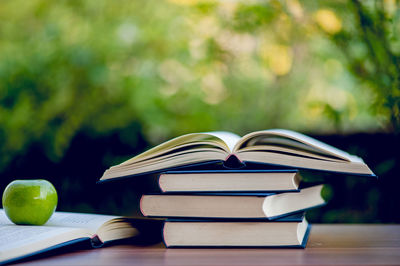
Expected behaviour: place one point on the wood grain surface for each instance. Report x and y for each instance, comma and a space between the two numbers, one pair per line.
328, 245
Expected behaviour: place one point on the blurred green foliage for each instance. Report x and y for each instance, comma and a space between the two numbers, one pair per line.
184, 66
376, 31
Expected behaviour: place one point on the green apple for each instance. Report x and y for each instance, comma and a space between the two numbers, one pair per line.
30, 202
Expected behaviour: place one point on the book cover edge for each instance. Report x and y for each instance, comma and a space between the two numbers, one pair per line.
42, 251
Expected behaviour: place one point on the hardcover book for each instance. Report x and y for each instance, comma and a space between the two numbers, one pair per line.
277, 147
239, 206
230, 181
236, 234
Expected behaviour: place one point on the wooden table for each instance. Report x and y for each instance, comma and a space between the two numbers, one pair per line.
328, 245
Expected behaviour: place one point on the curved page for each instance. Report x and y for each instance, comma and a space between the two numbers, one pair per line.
304, 142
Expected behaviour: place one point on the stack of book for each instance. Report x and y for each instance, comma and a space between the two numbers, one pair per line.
233, 208
219, 189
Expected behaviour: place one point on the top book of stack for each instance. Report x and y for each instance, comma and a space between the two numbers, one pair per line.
278, 147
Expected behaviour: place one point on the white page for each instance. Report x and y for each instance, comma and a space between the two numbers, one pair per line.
68, 219
17, 236
229, 138
316, 143
322, 147
180, 141
19, 240
16, 240
80, 220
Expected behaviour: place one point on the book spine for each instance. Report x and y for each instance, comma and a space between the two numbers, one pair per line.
233, 162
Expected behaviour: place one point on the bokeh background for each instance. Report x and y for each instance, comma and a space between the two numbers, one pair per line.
87, 84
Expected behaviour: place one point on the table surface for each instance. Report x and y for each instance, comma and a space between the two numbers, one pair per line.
327, 245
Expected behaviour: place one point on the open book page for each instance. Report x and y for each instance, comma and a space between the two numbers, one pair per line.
221, 140
17, 240
296, 141
229, 138
80, 220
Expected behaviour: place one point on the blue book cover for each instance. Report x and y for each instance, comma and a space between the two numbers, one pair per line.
296, 217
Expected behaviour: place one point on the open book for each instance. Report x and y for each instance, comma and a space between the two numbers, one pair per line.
63, 228
275, 147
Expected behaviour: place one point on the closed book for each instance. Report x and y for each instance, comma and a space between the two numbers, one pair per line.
230, 181
239, 206
236, 234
